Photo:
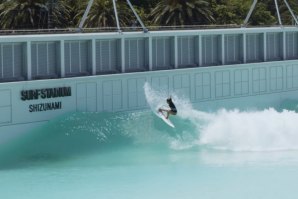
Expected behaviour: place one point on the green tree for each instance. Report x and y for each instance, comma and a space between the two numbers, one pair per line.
262, 16
23, 14
266, 14
286, 16
182, 12
143, 8
235, 12
76, 11
145, 3
102, 14
58, 13
34, 14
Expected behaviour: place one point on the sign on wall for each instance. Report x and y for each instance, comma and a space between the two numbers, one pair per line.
45, 93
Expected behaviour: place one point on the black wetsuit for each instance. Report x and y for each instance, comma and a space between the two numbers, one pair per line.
172, 106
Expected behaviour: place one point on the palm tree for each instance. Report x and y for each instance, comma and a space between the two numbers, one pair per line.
23, 14
262, 16
286, 16
59, 13
76, 10
182, 12
102, 14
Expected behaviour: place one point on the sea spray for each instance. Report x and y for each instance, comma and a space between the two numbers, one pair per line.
235, 130
186, 132
265, 130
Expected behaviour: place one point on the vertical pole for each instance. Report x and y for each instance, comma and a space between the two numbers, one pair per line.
93, 51
29, 61
223, 49
244, 48
137, 16
13, 61
200, 51
122, 55
86, 14
176, 51
62, 58
250, 12
265, 46
278, 14
2, 65
116, 16
284, 45
150, 53
48, 70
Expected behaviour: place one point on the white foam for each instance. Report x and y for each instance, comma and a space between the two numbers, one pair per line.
265, 130
157, 99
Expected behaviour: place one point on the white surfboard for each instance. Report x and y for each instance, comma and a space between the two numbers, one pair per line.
163, 117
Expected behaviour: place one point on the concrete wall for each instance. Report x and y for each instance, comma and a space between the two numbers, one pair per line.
255, 85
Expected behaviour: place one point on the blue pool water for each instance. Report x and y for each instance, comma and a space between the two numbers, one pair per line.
224, 154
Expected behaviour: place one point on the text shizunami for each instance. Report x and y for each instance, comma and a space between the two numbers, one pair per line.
45, 107
45, 93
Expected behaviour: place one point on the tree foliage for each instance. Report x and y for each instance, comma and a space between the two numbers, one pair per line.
102, 14
23, 13
182, 12
27, 14
35, 14
60, 14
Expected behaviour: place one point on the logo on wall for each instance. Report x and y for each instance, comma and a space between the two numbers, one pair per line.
46, 93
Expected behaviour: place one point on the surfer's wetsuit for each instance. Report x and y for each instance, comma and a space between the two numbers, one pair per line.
172, 106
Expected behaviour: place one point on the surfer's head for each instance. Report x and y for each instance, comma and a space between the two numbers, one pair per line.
169, 100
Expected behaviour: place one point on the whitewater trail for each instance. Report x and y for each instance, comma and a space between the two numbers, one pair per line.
264, 130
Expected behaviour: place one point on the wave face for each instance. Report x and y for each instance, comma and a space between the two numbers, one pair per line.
80, 133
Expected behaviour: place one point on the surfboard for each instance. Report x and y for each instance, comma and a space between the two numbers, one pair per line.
163, 117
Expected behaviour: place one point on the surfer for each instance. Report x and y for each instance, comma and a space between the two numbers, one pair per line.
172, 111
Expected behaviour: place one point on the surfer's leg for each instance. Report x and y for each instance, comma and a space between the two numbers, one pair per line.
170, 112
161, 110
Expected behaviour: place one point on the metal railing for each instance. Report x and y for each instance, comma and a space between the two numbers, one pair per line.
113, 29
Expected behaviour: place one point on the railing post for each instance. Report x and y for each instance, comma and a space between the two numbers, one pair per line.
93, 55
223, 49
200, 50
122, 55
265, 46
29, 60
62, 58
1, 56
150, 53
284, 42
244, 48
176, 51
